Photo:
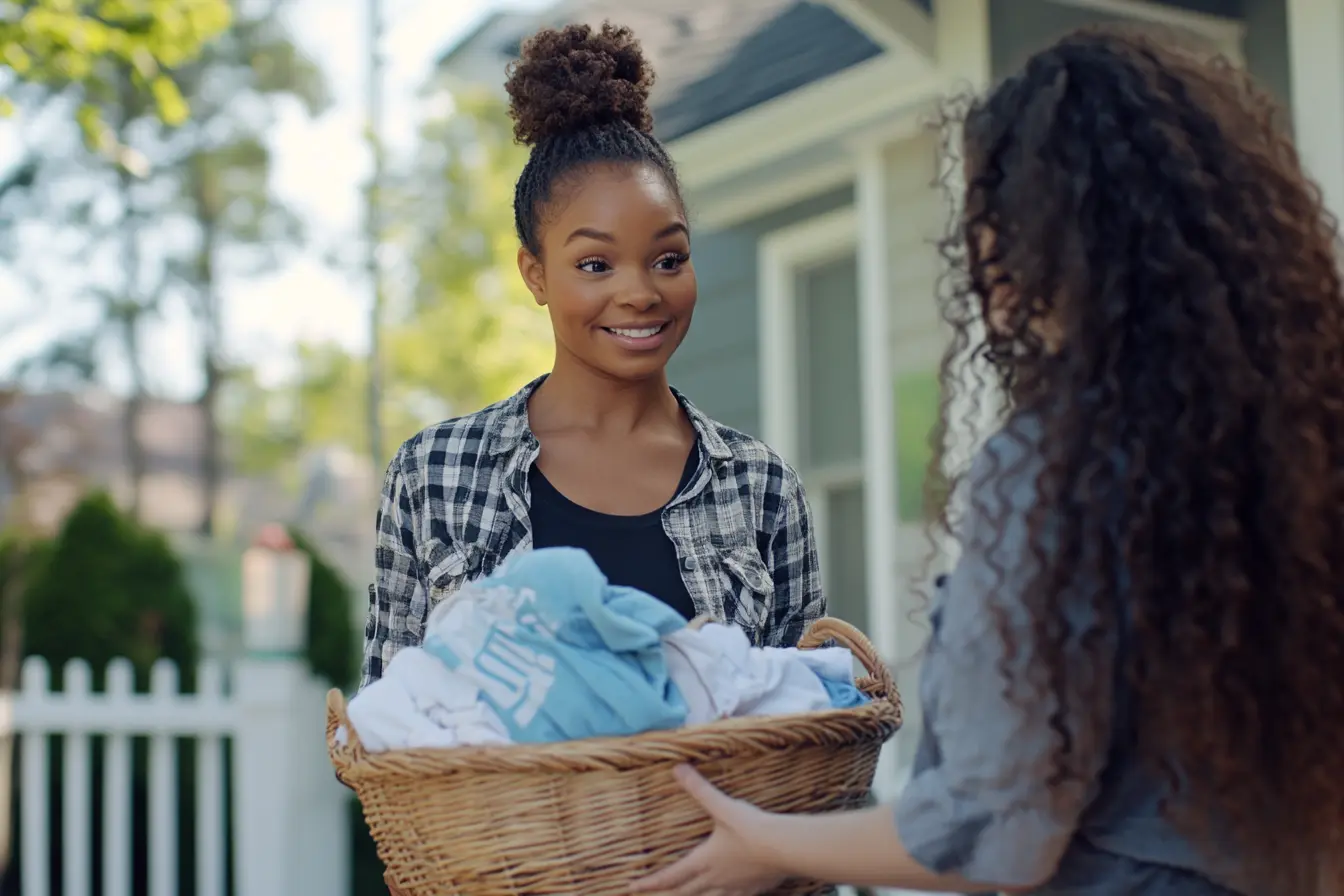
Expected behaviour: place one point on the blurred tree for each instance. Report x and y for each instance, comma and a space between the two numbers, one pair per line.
109, 55
463, 332
472, 333
69, 43
193, 207
88, 51
109, 212
129, 310
220, 166
268, 425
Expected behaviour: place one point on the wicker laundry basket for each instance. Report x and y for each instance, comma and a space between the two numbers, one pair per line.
585, 818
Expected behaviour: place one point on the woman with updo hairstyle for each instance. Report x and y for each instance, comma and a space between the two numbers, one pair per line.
1135, 678
601, 453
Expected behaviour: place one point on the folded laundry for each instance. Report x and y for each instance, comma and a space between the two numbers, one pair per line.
721, 675
559, 653
545, 650
835, 667
420, 702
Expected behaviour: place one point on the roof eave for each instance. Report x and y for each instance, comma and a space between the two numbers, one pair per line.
901, 26
850, 102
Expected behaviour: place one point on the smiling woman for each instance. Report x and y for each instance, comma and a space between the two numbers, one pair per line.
601, 453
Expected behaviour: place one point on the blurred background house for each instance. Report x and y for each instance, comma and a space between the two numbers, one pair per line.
195, 277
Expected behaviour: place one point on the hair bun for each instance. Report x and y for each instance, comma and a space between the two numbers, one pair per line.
573, 78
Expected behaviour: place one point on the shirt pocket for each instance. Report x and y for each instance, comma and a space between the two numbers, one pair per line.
749, 591
451, 567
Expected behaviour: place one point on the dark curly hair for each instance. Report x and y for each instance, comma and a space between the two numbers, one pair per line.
1141, 201
579, 97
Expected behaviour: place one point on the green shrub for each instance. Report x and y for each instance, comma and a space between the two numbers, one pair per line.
331, 650
106, 587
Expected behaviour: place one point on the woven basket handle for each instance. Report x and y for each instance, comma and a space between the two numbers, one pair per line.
828, 627
343, 755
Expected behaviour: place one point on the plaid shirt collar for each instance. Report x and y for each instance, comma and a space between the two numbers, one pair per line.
511, 429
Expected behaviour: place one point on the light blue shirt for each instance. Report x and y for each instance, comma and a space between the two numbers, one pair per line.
571, 657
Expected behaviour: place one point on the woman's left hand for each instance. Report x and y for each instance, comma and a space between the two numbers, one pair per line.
736, 859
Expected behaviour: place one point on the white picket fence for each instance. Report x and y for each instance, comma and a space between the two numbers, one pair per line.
289, 818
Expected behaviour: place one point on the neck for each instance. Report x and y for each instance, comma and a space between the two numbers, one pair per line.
575, 396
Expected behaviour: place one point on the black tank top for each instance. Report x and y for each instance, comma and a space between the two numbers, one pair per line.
630, 550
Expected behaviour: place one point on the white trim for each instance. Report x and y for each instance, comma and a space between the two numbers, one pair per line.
819, 503
877, 390
837, 475
964, 48
780, 255
1316, 59
878, 401
907, 124
873, 90
721, 207
963, 43
1227, 34
822, 484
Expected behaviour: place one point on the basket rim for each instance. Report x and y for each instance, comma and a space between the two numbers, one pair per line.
734, 737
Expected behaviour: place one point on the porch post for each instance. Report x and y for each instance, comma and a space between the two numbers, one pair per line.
962, 41
966, 61
878, 400
1316, 64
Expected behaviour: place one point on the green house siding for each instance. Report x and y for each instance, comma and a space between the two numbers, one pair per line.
1267, 46
718, 365
1019, 28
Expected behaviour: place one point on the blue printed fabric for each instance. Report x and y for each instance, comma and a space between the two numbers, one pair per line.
558, 652
844, 695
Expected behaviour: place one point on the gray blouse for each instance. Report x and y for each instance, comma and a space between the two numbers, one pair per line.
977, 803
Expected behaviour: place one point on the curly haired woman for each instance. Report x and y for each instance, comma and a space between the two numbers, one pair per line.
601, 453
1135, 683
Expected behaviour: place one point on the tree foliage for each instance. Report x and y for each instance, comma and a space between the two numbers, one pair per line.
61, 43
474, 333
462, 333
220, 166
178, 214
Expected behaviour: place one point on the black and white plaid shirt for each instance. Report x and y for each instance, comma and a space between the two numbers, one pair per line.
455, 504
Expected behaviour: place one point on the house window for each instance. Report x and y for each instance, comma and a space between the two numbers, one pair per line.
811, 402
830, 426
